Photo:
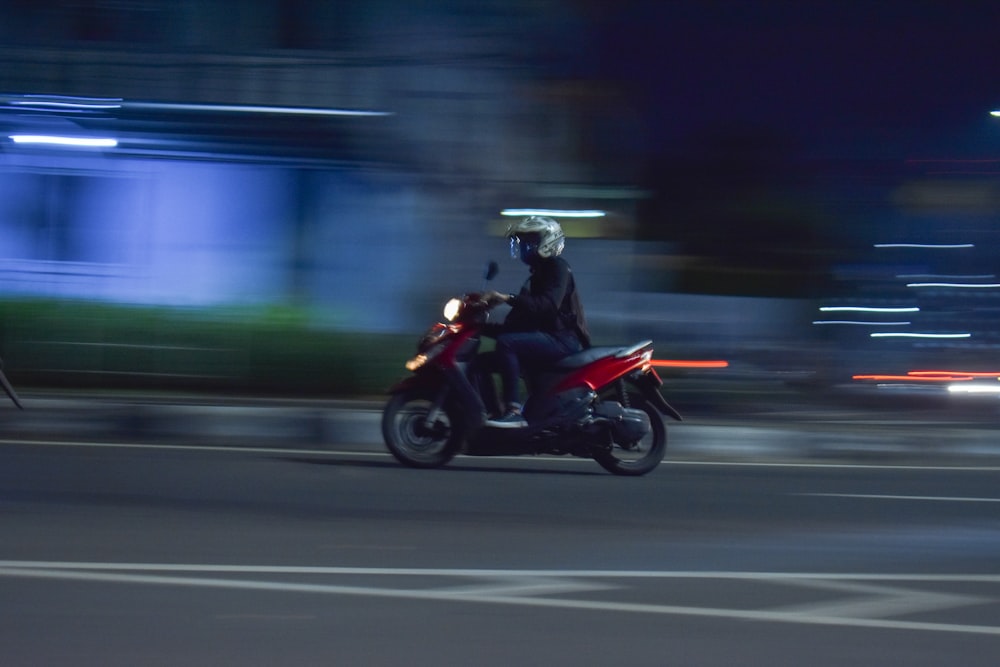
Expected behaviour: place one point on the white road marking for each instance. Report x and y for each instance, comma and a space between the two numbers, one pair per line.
844, 466
874, 600
878, 496
240, 449
518, 586
243, 449
266, 617
521, 592
485, 573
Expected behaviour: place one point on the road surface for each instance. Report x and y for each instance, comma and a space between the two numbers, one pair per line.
129, 554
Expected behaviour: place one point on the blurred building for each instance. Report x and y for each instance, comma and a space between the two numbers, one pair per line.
351, 158
324, 153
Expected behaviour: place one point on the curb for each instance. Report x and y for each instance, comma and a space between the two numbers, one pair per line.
354, 425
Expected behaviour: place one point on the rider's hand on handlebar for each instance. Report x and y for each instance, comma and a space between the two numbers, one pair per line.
493, 297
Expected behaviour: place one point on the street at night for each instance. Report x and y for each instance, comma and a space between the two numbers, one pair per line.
249, 249
127, 554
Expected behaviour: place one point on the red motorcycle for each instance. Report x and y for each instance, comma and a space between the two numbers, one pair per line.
602, 403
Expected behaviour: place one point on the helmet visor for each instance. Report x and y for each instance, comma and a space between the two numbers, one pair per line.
524, 246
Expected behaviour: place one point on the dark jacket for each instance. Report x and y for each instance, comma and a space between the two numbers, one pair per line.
549, 302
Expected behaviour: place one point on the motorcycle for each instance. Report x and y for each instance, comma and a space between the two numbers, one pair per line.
602, 403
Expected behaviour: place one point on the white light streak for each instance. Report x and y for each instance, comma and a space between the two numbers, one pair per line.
934, 246
555, 213
890, 334
958, 285
863, 323
249, 108
995, 113
865, 309
966, 388
934, 276
84, 142
67, 104
885, 496
58, 102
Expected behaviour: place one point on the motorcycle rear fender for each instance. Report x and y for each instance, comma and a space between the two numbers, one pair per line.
649, 383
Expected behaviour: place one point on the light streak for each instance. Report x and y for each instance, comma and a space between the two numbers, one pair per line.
84, 142
60, 102
861, 323
933, 376
677, 363
978, 374
933, 246
985, 276
864, 309
250, 108
65, 102
974, 389
888, 334
555, 213
958, 285
910, 378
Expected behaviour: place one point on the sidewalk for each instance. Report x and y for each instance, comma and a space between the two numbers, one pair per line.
734, 430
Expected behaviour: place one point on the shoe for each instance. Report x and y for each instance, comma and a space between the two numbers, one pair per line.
511, 419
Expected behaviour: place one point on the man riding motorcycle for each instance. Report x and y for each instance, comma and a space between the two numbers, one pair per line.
601, 403
546, 321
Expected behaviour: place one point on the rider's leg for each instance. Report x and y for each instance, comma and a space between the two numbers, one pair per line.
531, 349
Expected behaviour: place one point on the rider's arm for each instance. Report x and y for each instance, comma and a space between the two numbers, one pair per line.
550, 289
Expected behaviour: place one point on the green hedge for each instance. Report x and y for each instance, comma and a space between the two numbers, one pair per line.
83, 345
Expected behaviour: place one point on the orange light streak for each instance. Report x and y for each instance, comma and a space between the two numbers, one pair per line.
914, 378
969, 373
678, 363
930, 376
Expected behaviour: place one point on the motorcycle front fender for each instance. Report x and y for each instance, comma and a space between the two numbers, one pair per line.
467, 397
416, 381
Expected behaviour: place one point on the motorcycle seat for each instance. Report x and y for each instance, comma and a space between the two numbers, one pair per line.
593, 354
578, 359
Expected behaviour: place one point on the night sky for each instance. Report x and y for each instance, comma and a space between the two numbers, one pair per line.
903, 77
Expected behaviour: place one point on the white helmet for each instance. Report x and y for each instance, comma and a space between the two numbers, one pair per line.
536, 235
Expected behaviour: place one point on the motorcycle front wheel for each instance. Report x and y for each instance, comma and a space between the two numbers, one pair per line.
637, 458
415, 436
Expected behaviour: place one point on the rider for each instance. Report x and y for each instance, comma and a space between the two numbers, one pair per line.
546, 320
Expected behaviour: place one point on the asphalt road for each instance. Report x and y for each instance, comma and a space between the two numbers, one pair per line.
138, 555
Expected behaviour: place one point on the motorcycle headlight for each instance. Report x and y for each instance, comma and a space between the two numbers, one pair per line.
452, 309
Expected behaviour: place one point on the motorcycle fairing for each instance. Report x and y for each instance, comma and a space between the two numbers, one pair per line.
599, 367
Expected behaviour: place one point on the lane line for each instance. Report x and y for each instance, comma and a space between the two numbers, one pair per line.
486, 573
192, 448
878, 496
242, 449
835, 466
451, 596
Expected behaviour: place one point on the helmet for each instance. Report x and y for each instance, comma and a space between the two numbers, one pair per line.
536, 236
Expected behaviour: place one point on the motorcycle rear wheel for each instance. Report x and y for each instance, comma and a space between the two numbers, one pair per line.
639, 458
409, 438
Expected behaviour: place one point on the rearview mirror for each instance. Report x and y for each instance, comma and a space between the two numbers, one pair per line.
492, 269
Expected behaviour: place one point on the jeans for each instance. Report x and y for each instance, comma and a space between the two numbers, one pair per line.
533, 349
